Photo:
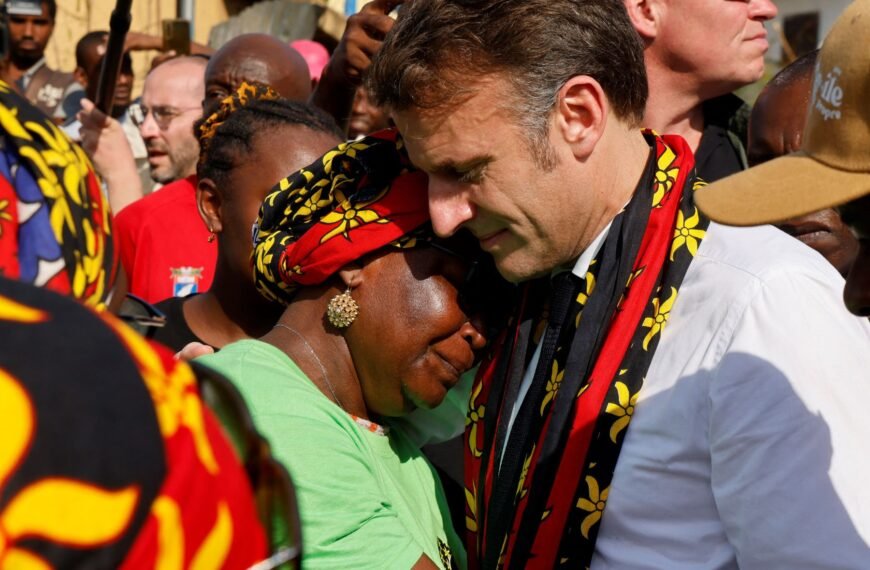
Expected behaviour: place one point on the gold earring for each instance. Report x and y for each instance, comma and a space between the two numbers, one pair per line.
342, 310
211, 237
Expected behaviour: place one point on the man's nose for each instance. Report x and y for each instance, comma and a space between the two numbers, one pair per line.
449, 206
149, 129
762, 10
857, 291
28, 28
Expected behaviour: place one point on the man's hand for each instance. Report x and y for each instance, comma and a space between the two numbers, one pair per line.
104, 141
361, 40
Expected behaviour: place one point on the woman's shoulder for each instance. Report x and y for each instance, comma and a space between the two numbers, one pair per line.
267, 378
279, 395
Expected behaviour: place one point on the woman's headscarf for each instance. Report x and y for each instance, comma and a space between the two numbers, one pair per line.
246, 93
356, 199
55, 224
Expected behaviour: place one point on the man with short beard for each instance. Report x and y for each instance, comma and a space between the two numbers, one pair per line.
25, 63
165, 248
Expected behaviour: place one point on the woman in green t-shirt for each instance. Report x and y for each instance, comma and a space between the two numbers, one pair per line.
381, 319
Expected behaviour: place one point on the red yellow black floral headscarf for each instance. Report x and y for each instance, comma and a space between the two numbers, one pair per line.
356, 199
247, 92
55, 224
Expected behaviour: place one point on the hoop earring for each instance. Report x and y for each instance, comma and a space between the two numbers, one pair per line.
342, 310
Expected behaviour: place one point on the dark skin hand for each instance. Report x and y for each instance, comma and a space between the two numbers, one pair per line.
362, 39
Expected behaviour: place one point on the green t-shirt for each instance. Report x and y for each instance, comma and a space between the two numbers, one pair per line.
365, 500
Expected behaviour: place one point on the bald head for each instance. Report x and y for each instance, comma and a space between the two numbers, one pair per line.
259, 58
172, 96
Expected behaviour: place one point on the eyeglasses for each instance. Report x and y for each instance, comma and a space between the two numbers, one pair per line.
163, 114
141, 316
273, 490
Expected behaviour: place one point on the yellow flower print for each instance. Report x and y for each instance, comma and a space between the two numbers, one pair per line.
474, 417
85, 515
313, 203
594, 505
687, 234
583, 296
349, 149
623, 410
349, 217
634, 275
4, 213
657, 322
553, 384
471, 501
14, 311
665, 177
174, 396
521, 485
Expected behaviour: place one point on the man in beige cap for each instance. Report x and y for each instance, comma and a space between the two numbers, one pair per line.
833, 166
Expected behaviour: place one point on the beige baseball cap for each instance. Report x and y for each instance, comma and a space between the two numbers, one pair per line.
833, 165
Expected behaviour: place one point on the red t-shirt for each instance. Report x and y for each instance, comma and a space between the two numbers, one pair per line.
164, 244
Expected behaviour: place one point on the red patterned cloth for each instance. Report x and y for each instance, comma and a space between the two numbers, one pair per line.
109, 459
356, 199
542, 506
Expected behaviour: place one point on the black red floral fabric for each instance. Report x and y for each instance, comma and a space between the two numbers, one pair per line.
542, 506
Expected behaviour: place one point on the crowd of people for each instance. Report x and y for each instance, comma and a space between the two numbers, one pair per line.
497, 284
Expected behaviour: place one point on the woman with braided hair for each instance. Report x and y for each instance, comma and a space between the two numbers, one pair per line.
382, 317
246, 146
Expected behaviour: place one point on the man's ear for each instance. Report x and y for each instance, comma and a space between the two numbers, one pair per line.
80, 76
581, 114
644, 16
208, 202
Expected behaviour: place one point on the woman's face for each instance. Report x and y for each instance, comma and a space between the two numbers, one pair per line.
413, 337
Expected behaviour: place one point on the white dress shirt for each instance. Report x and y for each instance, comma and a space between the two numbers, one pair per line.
747, 445
747, 448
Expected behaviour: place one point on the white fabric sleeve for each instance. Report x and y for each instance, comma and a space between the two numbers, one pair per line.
788, 429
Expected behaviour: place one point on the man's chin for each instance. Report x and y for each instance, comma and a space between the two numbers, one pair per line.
26, 58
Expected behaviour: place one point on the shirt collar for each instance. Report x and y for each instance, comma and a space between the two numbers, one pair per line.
35, 67
585, 259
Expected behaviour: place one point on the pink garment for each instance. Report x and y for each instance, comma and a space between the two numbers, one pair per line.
316, 56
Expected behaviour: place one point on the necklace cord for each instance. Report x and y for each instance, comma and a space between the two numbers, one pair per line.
317, 360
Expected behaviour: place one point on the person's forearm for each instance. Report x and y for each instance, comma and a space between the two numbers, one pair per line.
334, 94
123, 188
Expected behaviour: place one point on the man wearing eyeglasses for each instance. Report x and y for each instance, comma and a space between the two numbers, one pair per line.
171, 103
165, 247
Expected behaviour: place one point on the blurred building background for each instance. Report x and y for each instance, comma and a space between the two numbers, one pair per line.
800, 27
212, 22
